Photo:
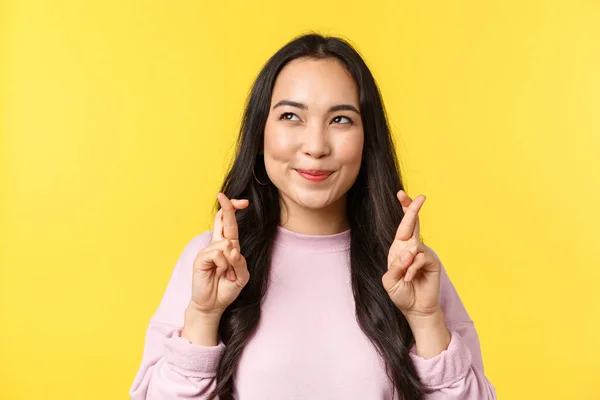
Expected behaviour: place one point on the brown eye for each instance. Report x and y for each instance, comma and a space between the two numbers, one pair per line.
289, 116
340, 119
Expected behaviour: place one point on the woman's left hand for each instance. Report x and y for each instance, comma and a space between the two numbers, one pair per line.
413, 283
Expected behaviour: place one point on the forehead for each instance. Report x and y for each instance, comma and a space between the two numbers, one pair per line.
315, 82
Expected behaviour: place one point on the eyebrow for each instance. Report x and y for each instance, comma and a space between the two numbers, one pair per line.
339, 107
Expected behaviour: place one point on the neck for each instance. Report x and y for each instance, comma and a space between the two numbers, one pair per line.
323, 221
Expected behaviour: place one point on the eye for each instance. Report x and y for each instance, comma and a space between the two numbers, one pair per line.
340, 120
289, 116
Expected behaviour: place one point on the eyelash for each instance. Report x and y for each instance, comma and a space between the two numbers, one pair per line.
283, 116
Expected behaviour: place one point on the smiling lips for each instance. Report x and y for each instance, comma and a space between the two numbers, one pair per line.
314, 175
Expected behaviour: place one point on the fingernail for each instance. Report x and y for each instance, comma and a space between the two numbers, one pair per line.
407, 277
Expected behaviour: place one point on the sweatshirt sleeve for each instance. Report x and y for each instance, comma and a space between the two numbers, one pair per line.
171, 366
457, 372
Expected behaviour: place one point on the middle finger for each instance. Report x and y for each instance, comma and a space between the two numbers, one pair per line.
409, 226
230, 227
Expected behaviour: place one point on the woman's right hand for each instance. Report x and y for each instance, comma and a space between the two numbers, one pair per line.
219, 270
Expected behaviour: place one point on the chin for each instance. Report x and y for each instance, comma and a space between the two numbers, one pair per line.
313, 201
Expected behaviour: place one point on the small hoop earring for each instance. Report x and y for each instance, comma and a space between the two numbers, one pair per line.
256, 179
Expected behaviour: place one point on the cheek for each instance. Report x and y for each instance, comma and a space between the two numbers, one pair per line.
279, 144
350, 149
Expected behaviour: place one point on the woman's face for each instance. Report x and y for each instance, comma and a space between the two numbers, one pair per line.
314, 135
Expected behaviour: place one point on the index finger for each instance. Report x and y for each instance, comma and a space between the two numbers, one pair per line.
405, 200
217, 231
230, 226
409, 226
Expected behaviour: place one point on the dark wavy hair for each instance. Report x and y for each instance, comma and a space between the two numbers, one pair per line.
373, 211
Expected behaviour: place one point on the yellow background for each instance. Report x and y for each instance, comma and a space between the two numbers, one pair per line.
118, 120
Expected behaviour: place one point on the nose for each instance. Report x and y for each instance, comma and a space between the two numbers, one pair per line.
315, 141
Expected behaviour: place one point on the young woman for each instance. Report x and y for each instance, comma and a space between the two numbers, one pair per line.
314, 282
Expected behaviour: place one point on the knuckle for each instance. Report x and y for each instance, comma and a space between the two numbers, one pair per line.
196, 264
201, 256
214, 254
420, 260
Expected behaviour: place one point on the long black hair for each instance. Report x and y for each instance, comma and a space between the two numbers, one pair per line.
373, 211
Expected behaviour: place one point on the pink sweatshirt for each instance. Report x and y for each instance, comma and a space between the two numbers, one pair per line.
308, 344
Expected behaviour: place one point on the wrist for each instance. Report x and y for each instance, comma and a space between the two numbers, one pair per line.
193, 314
201, 329
425, 322
431, 334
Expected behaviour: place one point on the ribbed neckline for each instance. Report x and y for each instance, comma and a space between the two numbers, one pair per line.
313, 243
